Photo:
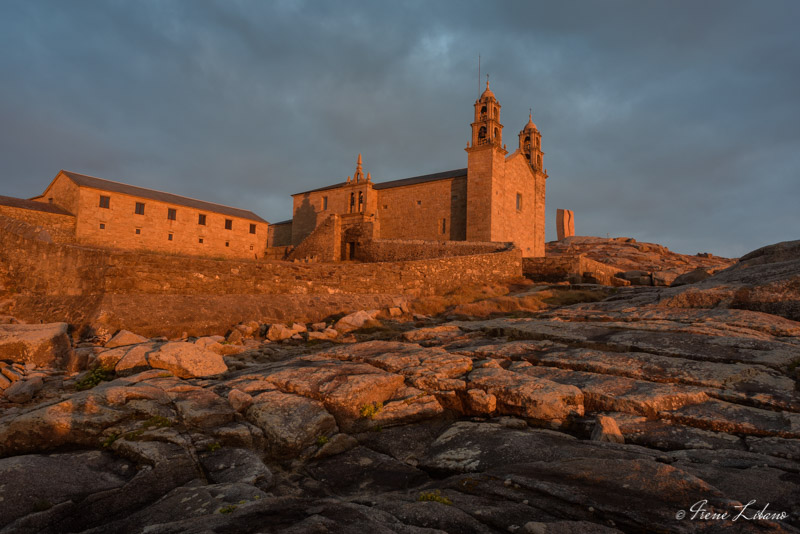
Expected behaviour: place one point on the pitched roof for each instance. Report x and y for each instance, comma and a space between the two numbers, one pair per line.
32, 205
152, 194
456, 173
288, 221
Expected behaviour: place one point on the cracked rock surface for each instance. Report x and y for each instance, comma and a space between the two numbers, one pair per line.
609, 416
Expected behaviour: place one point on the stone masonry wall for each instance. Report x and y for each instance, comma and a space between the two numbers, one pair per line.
380, 250
83, 285
61, 228
566, 267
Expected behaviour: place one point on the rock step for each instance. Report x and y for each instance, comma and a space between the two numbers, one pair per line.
754, 385
721, 416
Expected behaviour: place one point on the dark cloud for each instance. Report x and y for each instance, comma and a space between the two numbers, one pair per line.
668, 122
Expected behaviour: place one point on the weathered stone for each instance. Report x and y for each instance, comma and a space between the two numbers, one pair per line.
239, 400
202, 408
344, 387
279, 332
10, 373
4, 382
23, 390
124, 337
478, 401
42, 344
663, 278
356, 320
236, 465
290, 422
526, 396
565, 224
606, 429
336, 445
135, 359
235, 337
438, 333
34, 483
186, 360
692, 277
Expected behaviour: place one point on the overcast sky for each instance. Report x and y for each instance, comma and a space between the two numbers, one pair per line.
674, 122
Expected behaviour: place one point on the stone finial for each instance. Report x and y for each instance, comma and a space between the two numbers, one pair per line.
369, 177
359, 171
565, 224
348, 179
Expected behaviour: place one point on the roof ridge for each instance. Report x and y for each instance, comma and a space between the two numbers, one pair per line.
70, 174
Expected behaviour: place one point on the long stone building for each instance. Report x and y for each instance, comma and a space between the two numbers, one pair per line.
97, 212
498, 197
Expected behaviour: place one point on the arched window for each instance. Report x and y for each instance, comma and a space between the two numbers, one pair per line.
360, 201
483, 112
482, 132
496, 133
352, 201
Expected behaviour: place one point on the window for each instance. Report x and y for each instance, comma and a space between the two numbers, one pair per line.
172, 214
251, 247
201, 219
228, 224
138, 231
169, 237
252, 228
444, 226
102, 226
419, 203
519, 201
139, 208
200, 240
50, 200
360, 201
324, 203
105, 202
227, 243
386, 206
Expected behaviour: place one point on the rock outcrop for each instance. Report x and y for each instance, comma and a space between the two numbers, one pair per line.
623, 415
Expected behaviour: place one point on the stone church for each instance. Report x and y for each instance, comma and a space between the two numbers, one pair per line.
498, 197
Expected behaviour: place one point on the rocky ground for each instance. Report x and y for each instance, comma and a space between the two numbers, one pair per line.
654, 410
647, 264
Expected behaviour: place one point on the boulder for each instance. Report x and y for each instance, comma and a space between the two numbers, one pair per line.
279, 332
239, 400
692, 277
23, 390
45, 345
606, 429
480, 402
124, 337
186, 360
356, 320
663, 278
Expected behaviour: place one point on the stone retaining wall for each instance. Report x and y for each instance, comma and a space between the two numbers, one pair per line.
382, 250
44, 276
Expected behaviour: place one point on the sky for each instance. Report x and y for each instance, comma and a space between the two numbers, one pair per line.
674, 122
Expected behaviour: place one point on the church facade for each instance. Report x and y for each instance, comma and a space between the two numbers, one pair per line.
498, 197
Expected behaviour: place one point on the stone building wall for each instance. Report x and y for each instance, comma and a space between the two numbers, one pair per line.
117, 225
60, 228
323, 244
570, 267
510, 221
279, 235
431, 211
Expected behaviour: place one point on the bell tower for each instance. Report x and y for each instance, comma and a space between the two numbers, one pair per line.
485, 168
530, 144
486, 128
